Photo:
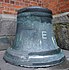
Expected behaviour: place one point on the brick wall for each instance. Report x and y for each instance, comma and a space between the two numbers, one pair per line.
11, 6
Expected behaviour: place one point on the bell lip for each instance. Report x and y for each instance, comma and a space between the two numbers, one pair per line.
20, 63
63, 59
35, 9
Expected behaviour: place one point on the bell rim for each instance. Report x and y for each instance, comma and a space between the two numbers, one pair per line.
20, 63
63, 59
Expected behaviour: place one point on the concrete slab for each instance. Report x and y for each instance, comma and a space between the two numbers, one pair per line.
7, 66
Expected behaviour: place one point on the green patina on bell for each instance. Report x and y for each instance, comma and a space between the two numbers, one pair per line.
34, 44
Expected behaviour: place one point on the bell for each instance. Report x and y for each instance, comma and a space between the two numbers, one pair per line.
34, 44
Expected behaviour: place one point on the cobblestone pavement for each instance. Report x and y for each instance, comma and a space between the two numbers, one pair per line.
7, 66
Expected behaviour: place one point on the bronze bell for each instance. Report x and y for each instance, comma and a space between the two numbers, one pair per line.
34, 44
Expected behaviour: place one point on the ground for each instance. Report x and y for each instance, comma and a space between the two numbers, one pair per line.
7, 66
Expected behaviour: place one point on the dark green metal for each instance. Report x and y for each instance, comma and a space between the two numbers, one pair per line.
34, 44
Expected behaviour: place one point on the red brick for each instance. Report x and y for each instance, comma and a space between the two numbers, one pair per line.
6, 1
17, 7
67, 7
1, 8
11, 2
26, 4
6, 5
19, 0
64, 7
52, 5
21, 4
16, 3
11, 9
62, 11
67, 2
6, 8
45, 5
60, 4
33, 3
1, 0
40, 1
45, 1
67, 10
34, 0
62, 1
23, 0
40, 4
0, 11
27, 1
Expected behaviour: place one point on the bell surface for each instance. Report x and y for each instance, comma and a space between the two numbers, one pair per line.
34, 44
